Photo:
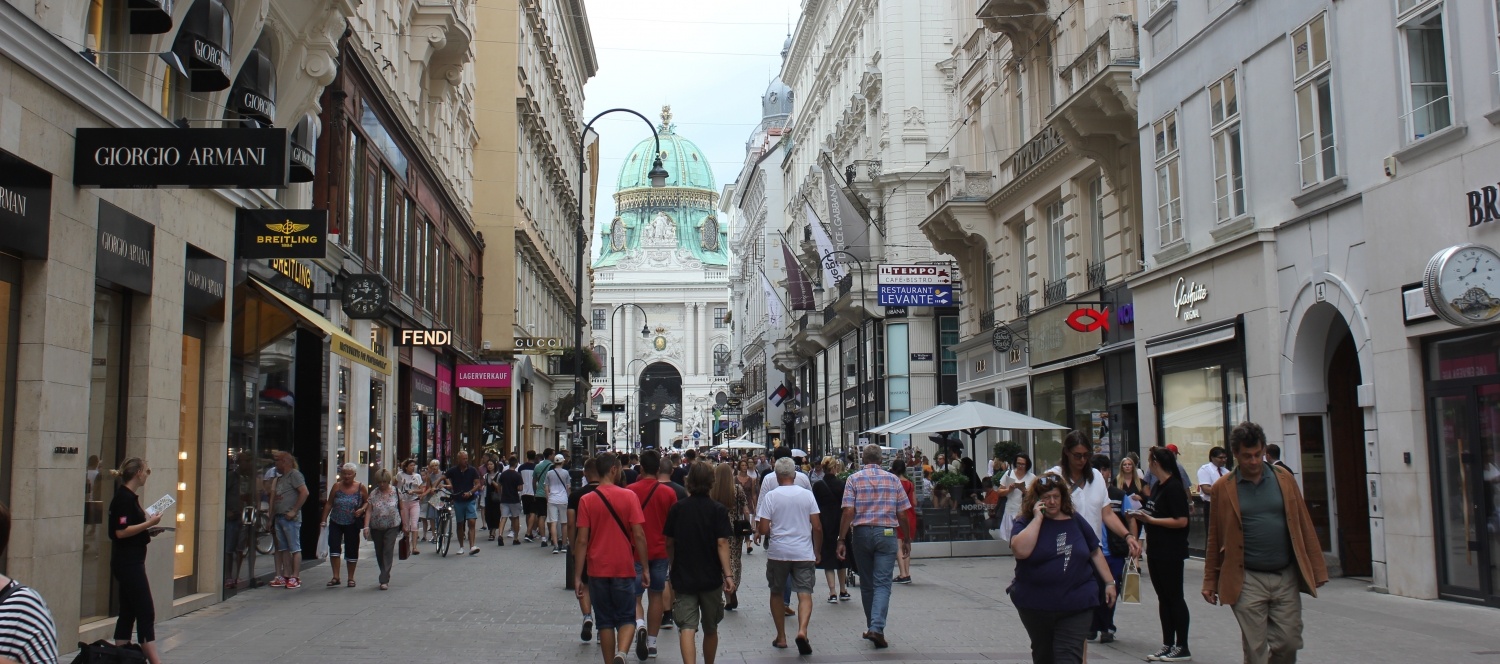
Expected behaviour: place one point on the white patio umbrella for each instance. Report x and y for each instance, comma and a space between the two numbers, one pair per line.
973, 418
739, 444
912, 419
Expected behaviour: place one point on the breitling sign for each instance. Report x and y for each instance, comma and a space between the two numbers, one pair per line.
281, 233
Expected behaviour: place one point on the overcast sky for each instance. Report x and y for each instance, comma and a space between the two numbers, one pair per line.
709, 59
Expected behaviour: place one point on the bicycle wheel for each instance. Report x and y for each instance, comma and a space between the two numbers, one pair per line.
265, 541
445, 533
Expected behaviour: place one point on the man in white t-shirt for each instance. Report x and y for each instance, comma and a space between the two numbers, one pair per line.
557, 479
788, 517
1209, 473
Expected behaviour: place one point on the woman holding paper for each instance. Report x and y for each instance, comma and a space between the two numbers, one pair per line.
131, 528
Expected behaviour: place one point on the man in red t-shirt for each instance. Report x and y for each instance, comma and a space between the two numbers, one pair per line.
604, 550
656, 500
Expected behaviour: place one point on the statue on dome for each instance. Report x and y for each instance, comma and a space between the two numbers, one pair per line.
661, 230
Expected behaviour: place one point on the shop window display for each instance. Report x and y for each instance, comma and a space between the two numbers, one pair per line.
105, 448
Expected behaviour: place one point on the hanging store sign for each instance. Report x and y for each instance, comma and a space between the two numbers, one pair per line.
1185, 299
914, 296
444, 389
423, 337
917, 275
126, 244
281, 233
234, 158
482, 375
25, 206
203, 290
1054, 338
1088, 319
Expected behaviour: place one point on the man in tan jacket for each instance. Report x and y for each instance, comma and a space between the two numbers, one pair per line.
1262, 551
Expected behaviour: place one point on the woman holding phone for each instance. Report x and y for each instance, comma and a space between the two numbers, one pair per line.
1057, 560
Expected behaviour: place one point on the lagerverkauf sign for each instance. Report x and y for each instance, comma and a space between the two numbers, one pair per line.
482, 375
281, 233
233, 158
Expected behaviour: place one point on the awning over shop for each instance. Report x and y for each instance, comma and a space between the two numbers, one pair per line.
150, 17
254, 94
304, 150
202, 49
471, 395
340, 341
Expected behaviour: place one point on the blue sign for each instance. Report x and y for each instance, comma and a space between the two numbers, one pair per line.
901, 295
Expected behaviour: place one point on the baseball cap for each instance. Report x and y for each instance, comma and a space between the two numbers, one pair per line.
1173, 449
559, 459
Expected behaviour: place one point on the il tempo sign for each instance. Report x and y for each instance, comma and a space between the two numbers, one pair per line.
421, 337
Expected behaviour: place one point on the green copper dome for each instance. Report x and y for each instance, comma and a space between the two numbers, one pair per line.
686, 166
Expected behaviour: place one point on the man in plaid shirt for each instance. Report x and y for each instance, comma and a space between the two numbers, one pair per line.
874, 505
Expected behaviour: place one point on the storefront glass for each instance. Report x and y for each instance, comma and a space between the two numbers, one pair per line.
1089, 402
10, 319
105, 448
1199, 405
1049, 401
1464, 411
898, 379
378, 338
189, 447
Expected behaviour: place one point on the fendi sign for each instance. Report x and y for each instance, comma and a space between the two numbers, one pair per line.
233, 158
418, 337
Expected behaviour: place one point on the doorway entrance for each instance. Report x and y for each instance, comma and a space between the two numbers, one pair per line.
1346, 425
661, 405
1463, 395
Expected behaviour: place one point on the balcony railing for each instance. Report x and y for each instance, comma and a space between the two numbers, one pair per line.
1055, 291
1096, 274
987, 320
1023, 305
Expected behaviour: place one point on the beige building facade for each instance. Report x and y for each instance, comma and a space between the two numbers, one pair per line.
528, 108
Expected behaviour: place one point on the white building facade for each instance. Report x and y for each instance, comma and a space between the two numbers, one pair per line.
660, 321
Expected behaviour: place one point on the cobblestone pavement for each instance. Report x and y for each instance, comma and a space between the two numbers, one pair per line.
508, 605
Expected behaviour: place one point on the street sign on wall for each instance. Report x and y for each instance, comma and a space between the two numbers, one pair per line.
914, 296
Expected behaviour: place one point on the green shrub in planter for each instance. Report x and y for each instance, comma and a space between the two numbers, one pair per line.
1008, 450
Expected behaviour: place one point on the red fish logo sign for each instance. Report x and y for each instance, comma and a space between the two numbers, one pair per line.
1088, 320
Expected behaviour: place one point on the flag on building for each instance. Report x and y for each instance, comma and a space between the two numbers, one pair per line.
851, 230
833, 271
799, 288
773, 301
779, 395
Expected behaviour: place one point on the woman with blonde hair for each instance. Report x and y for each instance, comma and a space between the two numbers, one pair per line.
728, 492
384, 523
348, 503
131, 529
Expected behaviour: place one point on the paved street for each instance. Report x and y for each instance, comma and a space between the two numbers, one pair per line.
507, 604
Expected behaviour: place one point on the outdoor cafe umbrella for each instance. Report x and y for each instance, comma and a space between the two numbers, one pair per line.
739, 444
974, 417
910, 420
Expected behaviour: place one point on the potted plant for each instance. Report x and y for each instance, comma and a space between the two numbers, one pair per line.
1008, 450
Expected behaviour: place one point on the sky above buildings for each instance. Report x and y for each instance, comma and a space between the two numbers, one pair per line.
709, 59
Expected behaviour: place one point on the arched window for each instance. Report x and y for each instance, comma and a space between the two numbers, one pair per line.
721, 360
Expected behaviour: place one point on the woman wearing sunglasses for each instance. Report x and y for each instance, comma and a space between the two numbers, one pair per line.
1058, 568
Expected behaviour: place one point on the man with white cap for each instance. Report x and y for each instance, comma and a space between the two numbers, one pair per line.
557, 479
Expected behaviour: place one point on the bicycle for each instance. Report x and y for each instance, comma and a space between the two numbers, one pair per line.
444, 526
260, 526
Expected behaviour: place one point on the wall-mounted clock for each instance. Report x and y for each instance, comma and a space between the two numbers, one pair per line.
1461, 284
365, 296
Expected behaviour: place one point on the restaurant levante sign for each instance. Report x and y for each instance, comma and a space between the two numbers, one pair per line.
233, 158
281, 233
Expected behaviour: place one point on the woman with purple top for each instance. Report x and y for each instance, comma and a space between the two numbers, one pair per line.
1055, 588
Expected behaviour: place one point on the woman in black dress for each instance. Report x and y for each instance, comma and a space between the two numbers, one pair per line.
829, 492
131, 529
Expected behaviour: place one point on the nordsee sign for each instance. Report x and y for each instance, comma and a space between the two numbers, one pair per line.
233, 158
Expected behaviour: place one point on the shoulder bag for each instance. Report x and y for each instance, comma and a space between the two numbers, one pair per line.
618, 521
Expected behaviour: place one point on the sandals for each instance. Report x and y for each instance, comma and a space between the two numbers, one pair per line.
333, 582
804, 647
779, 644
351, 583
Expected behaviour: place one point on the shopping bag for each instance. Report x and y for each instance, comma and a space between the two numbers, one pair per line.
323, 544
104, 652
1131, 594
405, 547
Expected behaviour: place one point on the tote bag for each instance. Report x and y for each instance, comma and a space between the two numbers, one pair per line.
1131, 593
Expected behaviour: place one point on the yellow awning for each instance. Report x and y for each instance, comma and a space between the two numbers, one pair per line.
339, 340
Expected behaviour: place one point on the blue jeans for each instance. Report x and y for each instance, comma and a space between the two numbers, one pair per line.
875, 555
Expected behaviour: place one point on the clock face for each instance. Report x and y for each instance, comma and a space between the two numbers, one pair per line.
365, 296
1462, 283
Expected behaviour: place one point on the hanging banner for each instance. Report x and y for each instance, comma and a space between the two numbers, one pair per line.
799, 290
833, 271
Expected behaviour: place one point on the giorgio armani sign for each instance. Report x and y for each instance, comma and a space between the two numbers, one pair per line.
201, 158
25, 206
126, 244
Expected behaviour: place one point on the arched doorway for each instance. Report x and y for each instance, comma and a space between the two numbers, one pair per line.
1331, 433
660, 410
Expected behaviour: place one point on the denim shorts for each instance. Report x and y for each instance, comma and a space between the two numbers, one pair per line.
613, 600
659, 572
288, 534
464, 510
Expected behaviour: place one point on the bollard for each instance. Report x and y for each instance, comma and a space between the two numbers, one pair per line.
568, 569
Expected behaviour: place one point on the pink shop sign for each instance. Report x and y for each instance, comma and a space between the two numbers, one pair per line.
444, 389
482, 375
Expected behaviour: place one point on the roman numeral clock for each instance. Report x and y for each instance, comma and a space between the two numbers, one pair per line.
1461, 284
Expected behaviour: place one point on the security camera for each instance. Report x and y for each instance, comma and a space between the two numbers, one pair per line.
484, 345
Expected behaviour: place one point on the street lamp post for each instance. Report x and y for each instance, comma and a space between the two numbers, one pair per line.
721, 364
631, 433
658, 176
614, 352
859, 370
765, 399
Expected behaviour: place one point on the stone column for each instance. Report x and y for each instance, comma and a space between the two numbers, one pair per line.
689, 355
705, 347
